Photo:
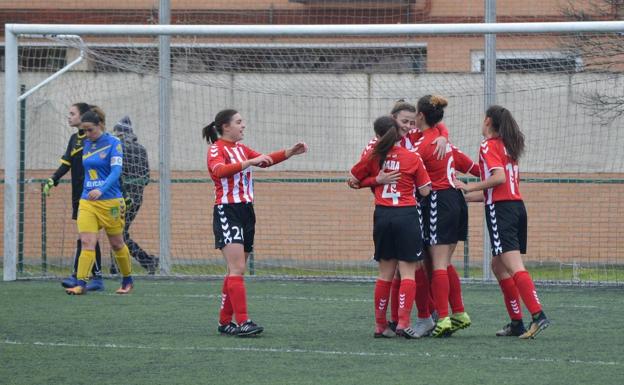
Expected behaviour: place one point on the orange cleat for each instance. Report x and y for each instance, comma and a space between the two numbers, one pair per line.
76, 290
127, 285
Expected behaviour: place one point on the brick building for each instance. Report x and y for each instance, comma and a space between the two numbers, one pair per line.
463, 54
325, 223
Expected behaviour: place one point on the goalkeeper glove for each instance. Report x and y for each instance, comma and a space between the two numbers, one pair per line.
47, 186
128, 202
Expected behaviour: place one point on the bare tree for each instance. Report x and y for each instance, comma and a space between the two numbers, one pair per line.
599, 53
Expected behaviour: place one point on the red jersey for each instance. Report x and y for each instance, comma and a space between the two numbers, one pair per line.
368, 147
232, 184
441, 171
464, 164
493, 155
415, 135
401, 193
406, 142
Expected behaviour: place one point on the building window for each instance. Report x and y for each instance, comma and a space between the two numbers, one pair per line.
530, 62
38, 58
267, 58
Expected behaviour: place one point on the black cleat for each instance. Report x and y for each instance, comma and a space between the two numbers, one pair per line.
512, 329
539, 323
229, 329
408, 333
392, 325
386, 333
249, 328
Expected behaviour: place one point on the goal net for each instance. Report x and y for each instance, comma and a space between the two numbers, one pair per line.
566, 90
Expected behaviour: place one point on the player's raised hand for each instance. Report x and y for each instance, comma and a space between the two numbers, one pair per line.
297, 149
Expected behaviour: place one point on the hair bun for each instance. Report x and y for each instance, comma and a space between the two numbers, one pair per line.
438, 101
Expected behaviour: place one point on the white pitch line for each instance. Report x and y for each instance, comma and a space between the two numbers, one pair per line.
301, 351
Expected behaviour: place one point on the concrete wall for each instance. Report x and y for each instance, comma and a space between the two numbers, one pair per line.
333, 114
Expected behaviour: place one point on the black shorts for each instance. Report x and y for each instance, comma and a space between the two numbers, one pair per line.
75, 204
396, 233
507, 225
445, 214
234, 223
463, 217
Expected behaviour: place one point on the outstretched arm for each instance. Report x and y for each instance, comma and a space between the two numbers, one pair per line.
382, 178
278, 156
497, 178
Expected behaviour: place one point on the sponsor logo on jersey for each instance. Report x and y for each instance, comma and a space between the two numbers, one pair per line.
95, 183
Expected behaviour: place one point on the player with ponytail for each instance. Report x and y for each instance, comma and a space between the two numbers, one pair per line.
234, 220
396, 231
506, 218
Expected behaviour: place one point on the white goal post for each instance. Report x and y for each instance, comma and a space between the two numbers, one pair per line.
11, 96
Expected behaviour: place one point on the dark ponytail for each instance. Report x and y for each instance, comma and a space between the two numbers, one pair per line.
82, 107
432, 108
388, 131
209, 133
212, 131
507, 128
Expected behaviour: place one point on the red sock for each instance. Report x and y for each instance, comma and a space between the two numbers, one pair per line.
407, 292
432, 306
238, 296
512, 298
394, 300
525, 286
440, 287
427, 267
382, 294
422, 294
225, 314
455, 292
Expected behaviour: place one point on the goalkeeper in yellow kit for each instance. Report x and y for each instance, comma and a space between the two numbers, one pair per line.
101, 203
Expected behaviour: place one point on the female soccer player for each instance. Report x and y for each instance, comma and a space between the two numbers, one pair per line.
405, 115
444, 216
396, 232
101, 202
506, 218
234, 220
72, 160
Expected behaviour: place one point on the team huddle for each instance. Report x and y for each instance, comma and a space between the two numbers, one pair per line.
420, 214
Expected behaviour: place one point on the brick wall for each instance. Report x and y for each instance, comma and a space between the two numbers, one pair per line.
322, 222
